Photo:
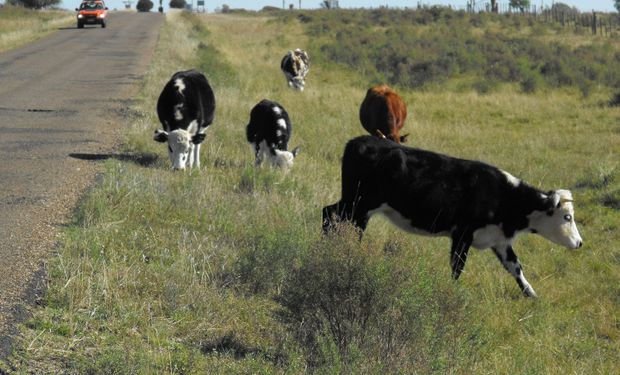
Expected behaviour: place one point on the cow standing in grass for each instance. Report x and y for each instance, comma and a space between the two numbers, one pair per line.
383, 113
295, 66
185, 108
473, 203
269, 132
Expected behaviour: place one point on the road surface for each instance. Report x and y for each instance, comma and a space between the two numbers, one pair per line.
61, 100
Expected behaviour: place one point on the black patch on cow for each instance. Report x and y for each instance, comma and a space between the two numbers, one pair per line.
198, 138
196, 102
264, 126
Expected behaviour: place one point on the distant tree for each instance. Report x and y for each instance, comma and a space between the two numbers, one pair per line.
225, 8
34, 4
144, 5
494, 7
564, 8
270, 9
617, 5
178, 4
329, 4
520, 4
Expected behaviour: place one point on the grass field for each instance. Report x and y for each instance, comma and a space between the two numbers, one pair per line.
20, 26
224, 270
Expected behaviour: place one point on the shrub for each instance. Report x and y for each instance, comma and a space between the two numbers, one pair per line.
615, 100
389, 45
34, 4
144, 5
179, 4
354, 308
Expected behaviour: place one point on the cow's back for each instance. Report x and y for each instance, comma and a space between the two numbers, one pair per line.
422, 183
383, 110
186, 97
269, 122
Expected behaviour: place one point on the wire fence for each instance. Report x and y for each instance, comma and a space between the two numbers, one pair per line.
598, 23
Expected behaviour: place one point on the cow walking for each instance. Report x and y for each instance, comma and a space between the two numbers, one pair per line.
185, 108
383, 113
473, 203
295, 66
269, 132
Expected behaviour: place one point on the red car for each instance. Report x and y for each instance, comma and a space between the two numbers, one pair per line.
92, 13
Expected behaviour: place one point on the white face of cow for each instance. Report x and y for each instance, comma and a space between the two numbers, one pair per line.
180, 146
558, 224
180, 149
285, 159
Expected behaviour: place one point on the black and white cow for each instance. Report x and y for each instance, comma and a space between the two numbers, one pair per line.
268, 132
295, 65
185, 109
473, 203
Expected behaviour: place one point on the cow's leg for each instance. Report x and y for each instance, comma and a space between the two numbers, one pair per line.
330, 214
461, 241
360, 220
511, 263
190, 155
197, 155
257, 154
344, 212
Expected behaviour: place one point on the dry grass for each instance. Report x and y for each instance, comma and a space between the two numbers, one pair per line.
20, 26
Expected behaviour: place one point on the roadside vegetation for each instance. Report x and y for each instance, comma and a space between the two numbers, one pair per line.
434, 46
224, 270
20, 26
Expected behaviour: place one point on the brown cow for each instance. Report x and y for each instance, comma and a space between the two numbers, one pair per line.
383, 113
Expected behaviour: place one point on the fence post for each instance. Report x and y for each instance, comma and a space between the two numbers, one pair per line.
594, 22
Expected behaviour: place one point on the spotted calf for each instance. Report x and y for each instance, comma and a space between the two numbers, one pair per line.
269, 132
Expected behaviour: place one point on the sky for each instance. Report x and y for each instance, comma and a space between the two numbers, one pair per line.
583, 5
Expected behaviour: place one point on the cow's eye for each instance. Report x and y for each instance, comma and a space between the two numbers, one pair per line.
568, 217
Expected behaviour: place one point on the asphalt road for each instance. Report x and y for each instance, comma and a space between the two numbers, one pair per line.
61, 108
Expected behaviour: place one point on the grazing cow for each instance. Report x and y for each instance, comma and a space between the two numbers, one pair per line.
295, 66
185, 108
268, 132
473, 203
383, 113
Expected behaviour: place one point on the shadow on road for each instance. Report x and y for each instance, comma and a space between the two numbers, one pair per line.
145, 160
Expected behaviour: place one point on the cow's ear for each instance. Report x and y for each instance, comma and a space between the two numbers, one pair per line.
553, 200
198, 138
295, 151
192, 128
160, 136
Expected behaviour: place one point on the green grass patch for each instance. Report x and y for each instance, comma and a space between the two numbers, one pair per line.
431, 46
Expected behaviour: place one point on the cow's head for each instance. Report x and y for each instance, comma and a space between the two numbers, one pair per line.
285, 159
298, 83
180, 145
557, 222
